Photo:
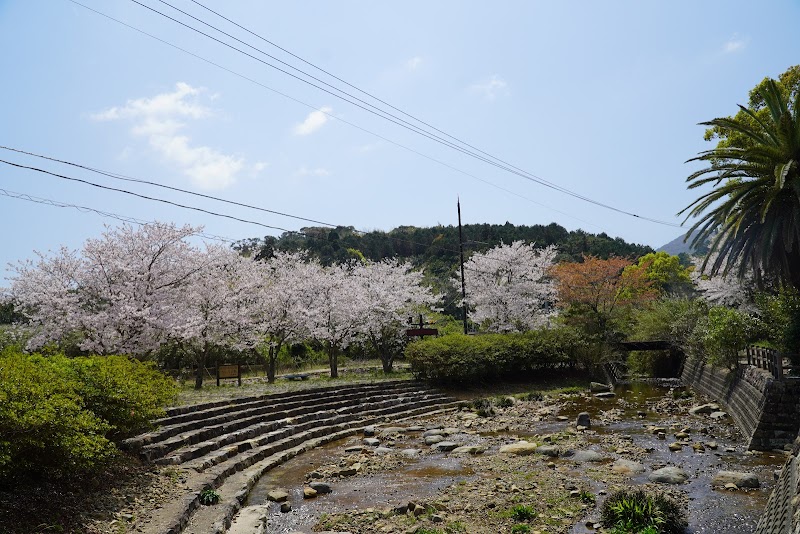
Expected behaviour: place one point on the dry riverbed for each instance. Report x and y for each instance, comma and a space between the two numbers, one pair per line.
526, 463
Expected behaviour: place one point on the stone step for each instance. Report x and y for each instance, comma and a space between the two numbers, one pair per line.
214, 439
236, 486
315, 427
233, 422
174, 426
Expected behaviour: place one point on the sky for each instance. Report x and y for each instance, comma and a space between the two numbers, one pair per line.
600, 98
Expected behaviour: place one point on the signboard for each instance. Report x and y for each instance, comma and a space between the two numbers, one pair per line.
411, 332
229, 371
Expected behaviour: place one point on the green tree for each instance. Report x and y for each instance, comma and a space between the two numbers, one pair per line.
666, 272
751, 217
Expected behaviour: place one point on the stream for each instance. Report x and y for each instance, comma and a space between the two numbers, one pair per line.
710, 510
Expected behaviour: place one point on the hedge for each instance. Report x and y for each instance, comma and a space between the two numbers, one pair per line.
461, 358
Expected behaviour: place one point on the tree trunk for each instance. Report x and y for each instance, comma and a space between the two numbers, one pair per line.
387, 363
271, 364
201, 367
333, 361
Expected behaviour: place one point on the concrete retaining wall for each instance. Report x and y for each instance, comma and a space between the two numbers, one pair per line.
766, 410
782, 514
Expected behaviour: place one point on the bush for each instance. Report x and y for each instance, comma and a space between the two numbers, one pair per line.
44, 426
727, 331
522, 512
468, 359
637, 512
60, 415
127, 394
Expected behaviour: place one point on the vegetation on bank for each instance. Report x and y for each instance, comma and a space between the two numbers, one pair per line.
62, 416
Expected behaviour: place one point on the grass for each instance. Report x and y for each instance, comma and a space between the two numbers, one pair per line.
228, 389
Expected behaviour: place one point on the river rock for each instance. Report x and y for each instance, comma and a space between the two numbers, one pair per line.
669, 475
586, 456
605, 395
278, 495
445, 446
354, 448
286, 507
410, 453
309, 492
433, 439
627, 467
520, 448
393, 430
468, 449
718, 415
548, 450
742, 480
433, 432
320, 487
372, 442
369, 431
450, 430
704, 409
675, 447
583, 420
597, 387
383, 450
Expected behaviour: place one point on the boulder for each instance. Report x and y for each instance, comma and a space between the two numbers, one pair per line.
583, 420
606, 395
704, 409
410, 453
468, 449
369, 431
742, 480
548, 450
520, 448
445, 446
433, 432
718, 415
383, 450
597, 387
669, 475
286, 507
372, 442
627, 467
320, 487
309, 493
433, 439
354, 448
278, 495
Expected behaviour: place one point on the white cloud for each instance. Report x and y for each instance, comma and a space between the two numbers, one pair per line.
318, 172
259, 166
735, 44
413, 63
161, 119
315, 120
491, 88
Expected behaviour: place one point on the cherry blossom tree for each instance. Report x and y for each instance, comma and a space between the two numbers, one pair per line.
392, 291
509, 286
285, 293
119, 293
338, 311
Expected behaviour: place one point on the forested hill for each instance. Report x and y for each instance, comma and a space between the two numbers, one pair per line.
436, 247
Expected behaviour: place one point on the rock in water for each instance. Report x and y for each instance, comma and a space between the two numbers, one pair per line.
520, 448
669, 475
741, 480
278, 495
584, 420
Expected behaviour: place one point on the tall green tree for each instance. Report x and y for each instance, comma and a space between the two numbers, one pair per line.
751, 216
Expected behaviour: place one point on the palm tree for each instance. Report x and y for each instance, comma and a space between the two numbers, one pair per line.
751, 217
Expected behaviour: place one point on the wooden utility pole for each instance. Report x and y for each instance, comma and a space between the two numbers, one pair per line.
463, 284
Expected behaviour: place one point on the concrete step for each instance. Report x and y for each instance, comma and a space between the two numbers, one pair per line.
235, 421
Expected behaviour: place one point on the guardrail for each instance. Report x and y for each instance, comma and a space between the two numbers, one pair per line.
770, 360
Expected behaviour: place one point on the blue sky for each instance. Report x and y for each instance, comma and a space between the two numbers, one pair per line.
600, 98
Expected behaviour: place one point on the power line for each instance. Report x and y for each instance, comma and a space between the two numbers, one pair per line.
497, 162
163, 186
85, 209
331, 116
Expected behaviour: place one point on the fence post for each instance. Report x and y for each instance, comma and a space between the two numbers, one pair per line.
778, 365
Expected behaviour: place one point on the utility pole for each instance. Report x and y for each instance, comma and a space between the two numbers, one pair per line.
463, 284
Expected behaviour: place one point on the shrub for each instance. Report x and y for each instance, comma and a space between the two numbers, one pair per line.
504, 402
468, 359
60, 415
520, 529
209, 497
728, 331
126, 393
637, 512
44, 426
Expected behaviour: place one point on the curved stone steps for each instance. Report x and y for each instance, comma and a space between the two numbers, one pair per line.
194, 432
237, 486
201, 414
266, 430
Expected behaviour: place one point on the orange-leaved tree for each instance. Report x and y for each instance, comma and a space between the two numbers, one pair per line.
593, 291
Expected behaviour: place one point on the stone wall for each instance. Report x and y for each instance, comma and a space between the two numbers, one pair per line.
782, 514
766, 410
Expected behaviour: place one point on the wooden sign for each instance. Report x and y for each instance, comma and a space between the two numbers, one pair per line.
229, 371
